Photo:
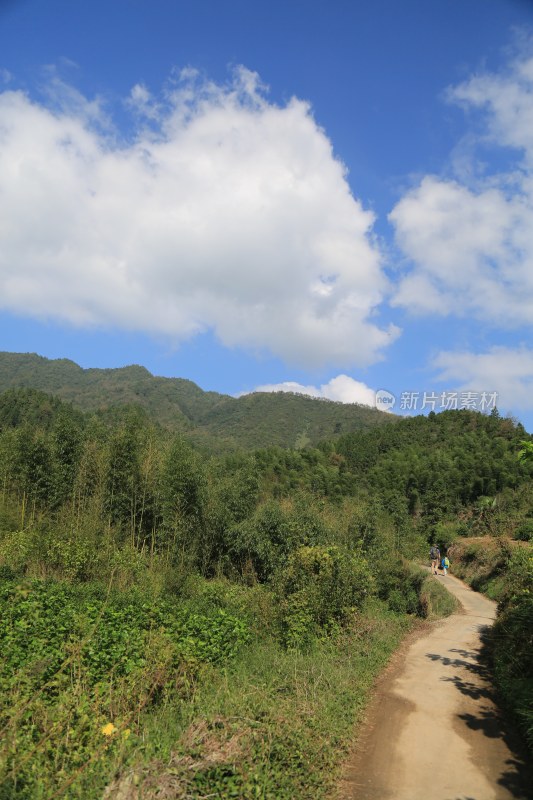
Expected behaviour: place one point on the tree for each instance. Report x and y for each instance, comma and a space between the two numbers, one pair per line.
526, 451
123, 479
182, 492
66, 451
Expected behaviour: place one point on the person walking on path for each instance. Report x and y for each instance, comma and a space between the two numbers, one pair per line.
445, 564
434, 555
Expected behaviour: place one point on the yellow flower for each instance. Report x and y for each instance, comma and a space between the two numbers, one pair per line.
109, 729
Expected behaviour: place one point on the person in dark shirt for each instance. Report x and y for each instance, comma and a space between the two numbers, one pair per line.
434, 556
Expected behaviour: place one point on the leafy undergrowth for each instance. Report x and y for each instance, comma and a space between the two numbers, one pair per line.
103, 694
503, 570
409, 589
482, 563
224, 690
277, 725
512, 641
513, 662
80, 667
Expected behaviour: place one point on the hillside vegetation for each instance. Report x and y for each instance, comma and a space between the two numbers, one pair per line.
177, 623
215, 422
503, 569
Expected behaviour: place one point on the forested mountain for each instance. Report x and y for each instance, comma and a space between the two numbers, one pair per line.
455, 472
215, 421
439, 465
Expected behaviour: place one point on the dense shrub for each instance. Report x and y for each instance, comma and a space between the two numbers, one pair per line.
513, 661
504, 570
524, 532
513, 639
400, 585
39, 619
81, 664
254, 604
319, 587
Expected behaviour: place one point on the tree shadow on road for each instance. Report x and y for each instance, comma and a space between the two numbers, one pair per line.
473, 679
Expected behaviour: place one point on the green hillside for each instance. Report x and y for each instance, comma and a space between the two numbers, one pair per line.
182, 619
214, 421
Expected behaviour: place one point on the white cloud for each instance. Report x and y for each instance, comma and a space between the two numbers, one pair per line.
507, 99
470, 241
224, 212
507, 371
342, 389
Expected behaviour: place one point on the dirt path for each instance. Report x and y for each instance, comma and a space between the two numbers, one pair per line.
433, 732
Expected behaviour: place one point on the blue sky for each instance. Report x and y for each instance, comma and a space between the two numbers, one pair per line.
330, 197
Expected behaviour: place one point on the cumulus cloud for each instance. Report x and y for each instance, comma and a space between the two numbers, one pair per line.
470, 240
342, 389
507, 371
222, 211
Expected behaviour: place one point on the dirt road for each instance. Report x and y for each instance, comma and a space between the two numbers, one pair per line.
434, 732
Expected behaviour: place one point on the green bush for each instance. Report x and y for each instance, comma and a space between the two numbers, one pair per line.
73, 556
482, 564
258, 545
80, 664
318, 588
408, 589
519, 577
280, 728
513, 661
38, 620
405, 600
400, 584
18, 547
512, 639
255, 604
448, 531
524, 532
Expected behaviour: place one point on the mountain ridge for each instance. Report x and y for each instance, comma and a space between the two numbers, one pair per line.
258, 419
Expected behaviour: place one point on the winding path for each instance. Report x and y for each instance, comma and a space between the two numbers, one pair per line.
434, 732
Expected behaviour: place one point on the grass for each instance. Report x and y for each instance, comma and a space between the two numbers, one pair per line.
110, 694
106, 695
482, 563
276, 726
436, 601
